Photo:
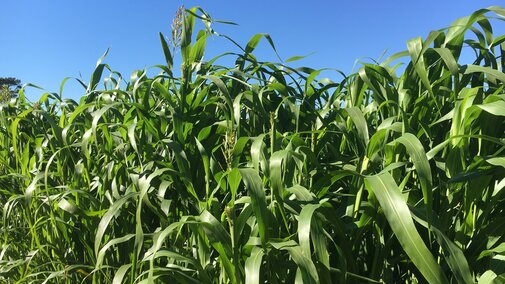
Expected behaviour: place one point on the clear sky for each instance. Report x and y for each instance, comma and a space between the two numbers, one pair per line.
44, 41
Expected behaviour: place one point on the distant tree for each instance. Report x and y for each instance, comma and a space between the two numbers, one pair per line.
9, 88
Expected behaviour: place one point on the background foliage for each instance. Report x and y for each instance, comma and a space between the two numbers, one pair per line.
262, 172
9, 87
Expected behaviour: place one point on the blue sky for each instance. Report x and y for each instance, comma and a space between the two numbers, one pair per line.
44, 41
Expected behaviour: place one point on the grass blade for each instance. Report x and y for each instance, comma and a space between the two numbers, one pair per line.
399, 218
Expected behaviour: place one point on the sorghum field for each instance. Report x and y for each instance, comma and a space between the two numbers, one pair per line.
263, 173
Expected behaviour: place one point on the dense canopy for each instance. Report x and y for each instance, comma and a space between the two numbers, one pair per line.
260, 172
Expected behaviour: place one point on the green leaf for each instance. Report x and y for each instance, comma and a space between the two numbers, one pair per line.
415, 47
220, 240
188, 23
304, 263
257, 154
103, 250
206, 165
304, 222
420, 160
449, 59
377, 142
253, 266
120, 273
166, 52
488, 277
494, 108
497, 161
198, 48
253, 43
301, 193
298, 57
107, 217
360, 122
254, 187
276, 173
452, 253
95, 78
490, 72
500, 249
399, 218
234, 179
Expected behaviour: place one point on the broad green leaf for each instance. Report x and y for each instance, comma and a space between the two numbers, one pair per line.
15, 134
131, 135
254, 187
490, 72
320, 243
103, 250
107, 217
206, 165
494, 108
360, 122
276, 173
222, 87
377, 142
453, 254
166, 52
257, 155
120, 274
215, 231
497, 161
449, 60
234, 179
188, 24
298, 57
95, 77
415, 47
253, 43
304, 223
500, 249
399, 218
220, 240
143, 185
488, 277
253, 266
304, 263
416, 152
98, 114
198, 48
301, 193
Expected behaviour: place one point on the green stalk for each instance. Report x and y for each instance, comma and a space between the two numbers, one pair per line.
273, 132
230, 214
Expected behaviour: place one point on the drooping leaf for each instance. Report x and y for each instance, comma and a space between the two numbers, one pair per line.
399, 218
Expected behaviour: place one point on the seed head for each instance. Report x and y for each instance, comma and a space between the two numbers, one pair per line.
229, 145
177, 27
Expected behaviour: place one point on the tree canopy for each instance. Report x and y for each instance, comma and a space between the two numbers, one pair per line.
9, 88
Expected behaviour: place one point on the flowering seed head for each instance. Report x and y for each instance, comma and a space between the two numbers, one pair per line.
177, 27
